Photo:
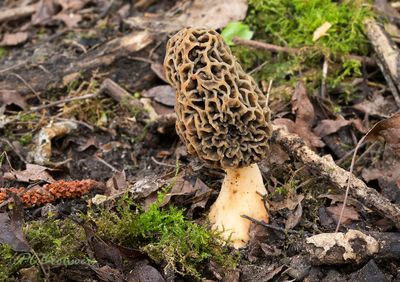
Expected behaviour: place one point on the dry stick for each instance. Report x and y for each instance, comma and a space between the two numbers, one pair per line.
269, 91
326, 167
38, 108
279, 49
109, 86
388, 56
27, 85
262, 223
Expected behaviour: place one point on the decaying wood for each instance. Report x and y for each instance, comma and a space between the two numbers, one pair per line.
352, 247
388, 56
60, 70
277, 49
326, 167
17, 12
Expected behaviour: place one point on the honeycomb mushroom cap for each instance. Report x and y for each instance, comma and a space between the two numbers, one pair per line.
222, 115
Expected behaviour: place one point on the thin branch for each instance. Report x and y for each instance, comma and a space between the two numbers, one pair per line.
84, 97
346, 195
161, 163
27, 84
295, 51
262, 223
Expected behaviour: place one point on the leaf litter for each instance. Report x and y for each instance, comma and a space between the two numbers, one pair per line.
129, 156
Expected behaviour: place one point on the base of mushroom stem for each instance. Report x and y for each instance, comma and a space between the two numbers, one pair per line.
240, 195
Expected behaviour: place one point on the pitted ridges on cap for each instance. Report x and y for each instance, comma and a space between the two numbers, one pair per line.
222, 114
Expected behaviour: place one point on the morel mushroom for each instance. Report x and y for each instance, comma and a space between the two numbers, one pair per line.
222, 117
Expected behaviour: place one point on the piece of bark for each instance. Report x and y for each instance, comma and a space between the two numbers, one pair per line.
326, 167
388, 56
352, 247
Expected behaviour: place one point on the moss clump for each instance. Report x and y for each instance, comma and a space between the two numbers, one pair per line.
56, 242
293, 22
165, 235
2, 52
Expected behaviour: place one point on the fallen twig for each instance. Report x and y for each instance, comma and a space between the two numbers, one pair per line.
66, 100
270, 226
388, 56
326, 167
279, 49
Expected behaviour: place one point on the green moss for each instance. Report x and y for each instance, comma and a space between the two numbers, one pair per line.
293, 22
26, 138
165, 235
56, 242
2, 52
27, 117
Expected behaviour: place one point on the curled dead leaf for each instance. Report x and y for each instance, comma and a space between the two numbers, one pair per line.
304, 110
388, 129
13, 39
32, 173
9, 97
350, 214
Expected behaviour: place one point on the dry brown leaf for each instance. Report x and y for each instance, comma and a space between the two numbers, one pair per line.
302, 107
158, 69
294, 217
71, 20
197, 13
350, 214
8, 97
329, 126
46, 9
89, 142
278, 155
290, 203
73, 5
32, 173
304, 111
388, 129
163, 94
388, 175
117, 184
200, 199
13, 39
378, 106
11, 232
321, 31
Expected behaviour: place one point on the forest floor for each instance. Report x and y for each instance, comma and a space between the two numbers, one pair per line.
97, 186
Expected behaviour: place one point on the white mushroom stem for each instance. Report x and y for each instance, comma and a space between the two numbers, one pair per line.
240, 195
